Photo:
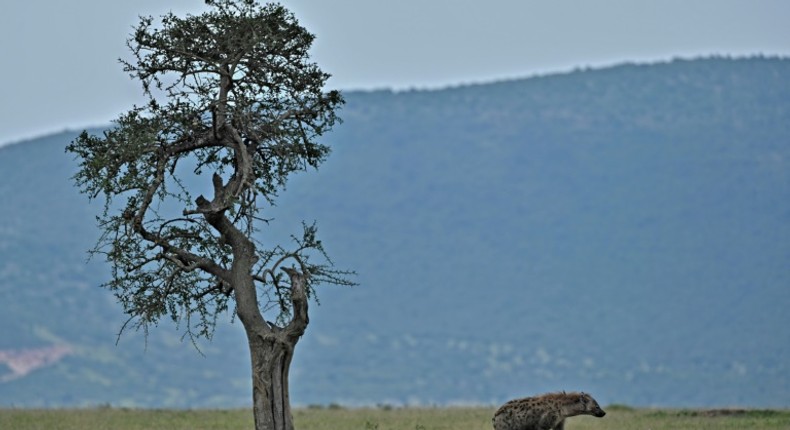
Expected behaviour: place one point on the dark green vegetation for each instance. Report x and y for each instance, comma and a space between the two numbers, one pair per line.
381, 419
622, 231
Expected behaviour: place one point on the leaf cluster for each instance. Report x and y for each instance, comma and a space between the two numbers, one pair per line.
231, 93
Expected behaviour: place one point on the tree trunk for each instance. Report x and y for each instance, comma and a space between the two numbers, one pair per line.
271, 352
271, 347
270, 356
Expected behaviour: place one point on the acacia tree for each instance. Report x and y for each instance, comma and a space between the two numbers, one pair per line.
231, 95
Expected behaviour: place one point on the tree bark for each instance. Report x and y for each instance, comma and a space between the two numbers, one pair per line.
271, 352
271, 360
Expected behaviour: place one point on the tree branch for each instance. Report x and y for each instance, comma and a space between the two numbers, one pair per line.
299, 320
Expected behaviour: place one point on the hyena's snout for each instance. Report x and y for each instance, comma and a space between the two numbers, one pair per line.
598, 412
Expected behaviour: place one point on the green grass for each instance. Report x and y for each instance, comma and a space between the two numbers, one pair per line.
385, 418
123, 419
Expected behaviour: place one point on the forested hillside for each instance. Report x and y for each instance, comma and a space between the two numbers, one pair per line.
622, 231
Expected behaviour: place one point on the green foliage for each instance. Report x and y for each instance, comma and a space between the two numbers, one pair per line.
233, 95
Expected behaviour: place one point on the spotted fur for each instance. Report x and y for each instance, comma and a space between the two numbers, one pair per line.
545, 412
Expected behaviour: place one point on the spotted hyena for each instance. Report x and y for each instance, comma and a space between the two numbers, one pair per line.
545, 412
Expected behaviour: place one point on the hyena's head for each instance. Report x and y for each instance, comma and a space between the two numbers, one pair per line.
590, 406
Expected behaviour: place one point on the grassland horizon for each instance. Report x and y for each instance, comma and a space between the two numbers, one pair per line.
384, 417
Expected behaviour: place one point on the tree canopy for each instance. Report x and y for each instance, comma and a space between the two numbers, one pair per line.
231, 95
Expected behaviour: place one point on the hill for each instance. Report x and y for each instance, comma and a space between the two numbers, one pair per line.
622, 231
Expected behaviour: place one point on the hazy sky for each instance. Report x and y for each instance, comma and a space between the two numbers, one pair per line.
59, 58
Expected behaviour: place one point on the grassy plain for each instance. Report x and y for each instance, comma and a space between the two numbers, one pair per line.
379, 419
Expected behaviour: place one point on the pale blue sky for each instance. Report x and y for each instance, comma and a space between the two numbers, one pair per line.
59, 67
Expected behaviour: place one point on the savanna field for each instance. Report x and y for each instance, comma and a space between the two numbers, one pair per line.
382, 418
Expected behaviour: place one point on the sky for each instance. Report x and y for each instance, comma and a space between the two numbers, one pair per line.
60, 66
